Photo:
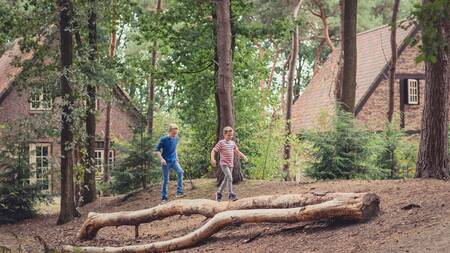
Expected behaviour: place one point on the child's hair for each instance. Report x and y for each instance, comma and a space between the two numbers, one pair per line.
172, 126
227, 129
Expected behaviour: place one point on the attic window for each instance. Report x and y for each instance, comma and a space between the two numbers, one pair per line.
413, 91
41, 100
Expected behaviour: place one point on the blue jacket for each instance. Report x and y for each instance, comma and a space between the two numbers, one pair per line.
168, 145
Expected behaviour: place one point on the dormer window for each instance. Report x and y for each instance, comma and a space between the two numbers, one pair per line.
413, 91
40, 100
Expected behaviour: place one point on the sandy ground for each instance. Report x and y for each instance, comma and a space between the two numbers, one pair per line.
424, 229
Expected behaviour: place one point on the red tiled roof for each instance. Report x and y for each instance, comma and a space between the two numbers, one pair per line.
8, 71
373, 53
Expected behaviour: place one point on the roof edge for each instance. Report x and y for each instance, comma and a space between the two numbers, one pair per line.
7, 90
382, 73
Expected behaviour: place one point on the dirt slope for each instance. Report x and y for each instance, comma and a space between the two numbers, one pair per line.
424, 229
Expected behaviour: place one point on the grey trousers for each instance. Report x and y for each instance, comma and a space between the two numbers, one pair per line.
228, 180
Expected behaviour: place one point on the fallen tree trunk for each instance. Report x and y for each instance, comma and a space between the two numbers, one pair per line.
343, 206
205, 207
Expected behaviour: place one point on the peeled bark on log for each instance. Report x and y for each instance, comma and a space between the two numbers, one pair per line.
343, 206
205, 207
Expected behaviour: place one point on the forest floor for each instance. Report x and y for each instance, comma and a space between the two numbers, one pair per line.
421, 229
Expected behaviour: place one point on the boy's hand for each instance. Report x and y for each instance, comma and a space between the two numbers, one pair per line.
163, 162
213, 163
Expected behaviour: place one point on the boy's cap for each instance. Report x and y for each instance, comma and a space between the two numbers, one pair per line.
173, 126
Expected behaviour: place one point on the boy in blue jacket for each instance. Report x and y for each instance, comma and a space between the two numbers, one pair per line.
166, 150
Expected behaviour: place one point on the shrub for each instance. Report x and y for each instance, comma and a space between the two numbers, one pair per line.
18, 197
338, 152
135, 167
406, 155
394, 153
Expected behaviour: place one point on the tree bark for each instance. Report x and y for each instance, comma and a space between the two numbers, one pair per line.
433, 150
88, 190
348, 92
393, 60
274, 65
340, 62
67, 207
291, 77
358, 207
224, 83
205, 207
151, 86
107, 137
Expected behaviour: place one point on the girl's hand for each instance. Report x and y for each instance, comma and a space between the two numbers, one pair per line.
213, 162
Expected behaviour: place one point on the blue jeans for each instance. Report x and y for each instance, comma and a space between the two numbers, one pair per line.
165, 172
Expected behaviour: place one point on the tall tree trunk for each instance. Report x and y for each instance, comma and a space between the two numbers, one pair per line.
107, 137
224, 86
151, 86
290, 92
392, 68
89, 190
394, 59
67, 207
348, 92
433, 150
274, 66
340, 62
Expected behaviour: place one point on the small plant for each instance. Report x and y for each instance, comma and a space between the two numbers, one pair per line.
135, 167
406, 155
338, 152
18, 195
387, 157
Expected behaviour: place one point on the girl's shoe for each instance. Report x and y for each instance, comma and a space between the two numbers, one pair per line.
232, 197
218, 196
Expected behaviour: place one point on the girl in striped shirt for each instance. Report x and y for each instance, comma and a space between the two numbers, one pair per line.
226, 149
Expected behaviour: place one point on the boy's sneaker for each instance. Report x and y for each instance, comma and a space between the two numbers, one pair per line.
164, 200
232, 197
179, 195
218, 196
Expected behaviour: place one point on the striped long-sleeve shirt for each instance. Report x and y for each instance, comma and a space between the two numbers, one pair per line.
226, 150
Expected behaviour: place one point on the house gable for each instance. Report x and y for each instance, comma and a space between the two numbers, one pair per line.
373, 56
374, 110
15, 104
385, 71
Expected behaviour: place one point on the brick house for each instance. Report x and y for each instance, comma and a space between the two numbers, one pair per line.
372, 78
44, 154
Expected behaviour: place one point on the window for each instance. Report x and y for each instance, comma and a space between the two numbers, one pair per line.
40, 165
413, 91
41, 100
99, 158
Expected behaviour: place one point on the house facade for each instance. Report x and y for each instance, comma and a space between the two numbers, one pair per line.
44, 153
372, 90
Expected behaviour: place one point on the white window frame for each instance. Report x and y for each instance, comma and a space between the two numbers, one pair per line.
43, 93
99, 160
34, 164
413, 91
